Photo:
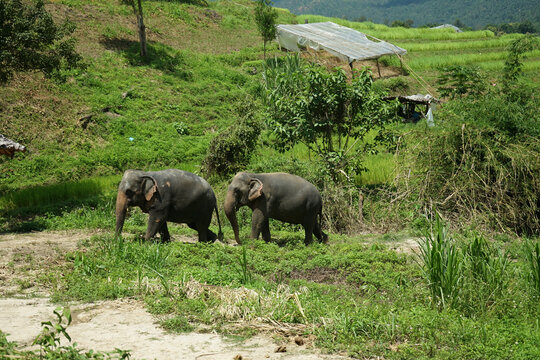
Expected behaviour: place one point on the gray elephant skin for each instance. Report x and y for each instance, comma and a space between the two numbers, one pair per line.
168, 195
279, 196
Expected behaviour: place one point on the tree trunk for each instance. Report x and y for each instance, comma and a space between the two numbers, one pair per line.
142, 29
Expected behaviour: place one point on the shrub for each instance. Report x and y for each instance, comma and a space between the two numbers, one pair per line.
231, 150
456, 81
481, 166
30, 40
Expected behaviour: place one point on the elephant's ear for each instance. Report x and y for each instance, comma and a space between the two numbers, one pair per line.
255, 189
150, 192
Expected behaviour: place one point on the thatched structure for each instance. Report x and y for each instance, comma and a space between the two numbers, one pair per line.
8, 147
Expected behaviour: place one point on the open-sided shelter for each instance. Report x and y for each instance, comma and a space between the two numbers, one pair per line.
345, 43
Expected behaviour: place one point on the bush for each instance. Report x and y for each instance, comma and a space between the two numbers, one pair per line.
231, 150
30, 40
481, 166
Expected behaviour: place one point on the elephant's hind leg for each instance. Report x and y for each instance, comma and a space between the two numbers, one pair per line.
319, 233
308, 227
204, 234
164, 232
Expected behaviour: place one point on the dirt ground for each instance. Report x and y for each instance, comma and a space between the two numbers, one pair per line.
107, 325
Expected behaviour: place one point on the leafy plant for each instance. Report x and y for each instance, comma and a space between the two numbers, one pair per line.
231, 150
513, 66
442, 263
458, 81
265, 18
30, 40
50, 337
328, 114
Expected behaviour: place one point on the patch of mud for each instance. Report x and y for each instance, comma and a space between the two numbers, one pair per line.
126, 325
321, 275
25, 257
408, 246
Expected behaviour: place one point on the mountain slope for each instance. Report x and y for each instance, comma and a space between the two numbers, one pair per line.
474, 13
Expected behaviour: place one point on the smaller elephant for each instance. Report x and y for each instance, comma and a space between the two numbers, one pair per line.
279, 196
168, 195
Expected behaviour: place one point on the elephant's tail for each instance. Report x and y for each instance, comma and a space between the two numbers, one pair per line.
220, 233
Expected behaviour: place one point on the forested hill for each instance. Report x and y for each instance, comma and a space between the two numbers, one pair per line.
473, 13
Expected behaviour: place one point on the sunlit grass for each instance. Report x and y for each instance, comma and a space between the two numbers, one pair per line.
52, 194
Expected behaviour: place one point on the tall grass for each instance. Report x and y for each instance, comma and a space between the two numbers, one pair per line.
442, 264
532, 255
52, 194
380, 169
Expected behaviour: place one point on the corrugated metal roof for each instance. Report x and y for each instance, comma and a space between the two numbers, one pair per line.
343, 42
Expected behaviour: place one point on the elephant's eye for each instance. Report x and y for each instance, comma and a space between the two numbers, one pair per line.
129, 192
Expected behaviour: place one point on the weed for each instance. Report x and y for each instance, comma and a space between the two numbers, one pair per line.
243, 271
442, 264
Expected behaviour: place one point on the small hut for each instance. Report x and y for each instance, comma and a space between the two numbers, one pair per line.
9, 147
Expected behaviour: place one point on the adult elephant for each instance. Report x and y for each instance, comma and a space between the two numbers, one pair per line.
279, 196
168, 195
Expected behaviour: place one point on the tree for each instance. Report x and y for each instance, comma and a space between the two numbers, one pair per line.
458, 81
141, 28
265, 17
516, 53
30, 40
329, 114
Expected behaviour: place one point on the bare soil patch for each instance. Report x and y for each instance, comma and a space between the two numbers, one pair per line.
124, 323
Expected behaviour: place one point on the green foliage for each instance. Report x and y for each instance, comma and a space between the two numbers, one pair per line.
458, 81
30, 40
330, 115
231, 150
513, 66
442, 264
481, 164
265, 18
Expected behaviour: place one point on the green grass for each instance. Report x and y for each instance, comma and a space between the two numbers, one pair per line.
354, 294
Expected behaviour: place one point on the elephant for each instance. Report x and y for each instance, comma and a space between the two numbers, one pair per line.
279, 196
168, 195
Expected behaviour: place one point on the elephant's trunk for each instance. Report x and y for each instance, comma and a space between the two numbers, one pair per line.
121, 209
230, 211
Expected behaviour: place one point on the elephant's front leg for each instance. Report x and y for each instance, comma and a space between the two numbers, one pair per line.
155, 223
259, 223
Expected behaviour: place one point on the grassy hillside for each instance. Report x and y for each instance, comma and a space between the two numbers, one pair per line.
475, 14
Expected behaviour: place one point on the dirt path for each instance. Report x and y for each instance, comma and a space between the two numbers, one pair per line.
107, 325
